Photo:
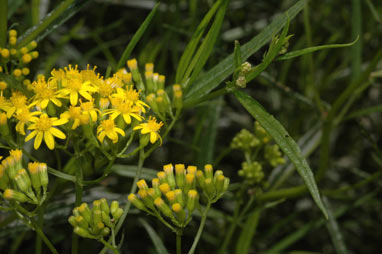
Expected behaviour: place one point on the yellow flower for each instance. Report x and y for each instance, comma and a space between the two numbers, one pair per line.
130, 94
75, 114
45, 92
124, 108
75, 87
17, 101
88, 109
108, 128
151, 127
24, 116
43, 127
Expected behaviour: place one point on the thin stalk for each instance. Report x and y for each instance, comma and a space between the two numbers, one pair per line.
45, 22
178, 243
231, 229
43, 237
132, 190
207, 97
108, 245
200, 230
35, 11
3, 22
78, 187
38, 246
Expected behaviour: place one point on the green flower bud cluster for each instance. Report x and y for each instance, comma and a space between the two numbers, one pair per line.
273, 155
14, 60
176, 194
153, 87
241, 80
23, 185
98, 222
258, 152
244, 140
253, 172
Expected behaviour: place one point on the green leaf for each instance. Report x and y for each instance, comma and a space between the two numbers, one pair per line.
286, 143
52, 20
62, 175
3, 22
274, 49
137, 36
334, 230
159, 246
246, 235
205, 50
130, 171
191, 46
301, 52
214, 77
365, 111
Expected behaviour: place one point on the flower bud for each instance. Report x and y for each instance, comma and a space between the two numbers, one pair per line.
72, 221
171, 197
208, 171
117, 214
43, 172
83, 232
163, 207
81, 222
189, 182
164, 188
97, 205
180, 214
169, 171
209, 187
179, 196
97, 228
179, 175
105, 231
35, 176
162, 177
219, 184
192, 200
22, 180
200, 178
106, 219
136, 202
161, 81
85, 212
155, 183
142, 184
15, 195
104, 205
191, 169
147, 200
97, 217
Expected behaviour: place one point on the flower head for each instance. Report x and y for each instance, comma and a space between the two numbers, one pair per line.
108, 128
151, 127
43, 127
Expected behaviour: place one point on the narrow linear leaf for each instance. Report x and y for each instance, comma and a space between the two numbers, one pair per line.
301, 52
159, 246
214, 77
3, 22
205, 50
137, 36
334, 230
286, 143
62, 175
191, 46
130, 171
52, 20
246, 235
365, 111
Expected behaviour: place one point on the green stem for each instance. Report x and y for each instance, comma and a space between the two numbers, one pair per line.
108, 245
43, 237
178, 243
132, 190
200, 230
45, 22
78, 187
231, 229
35, 11
38, 246
217, 93
3, 22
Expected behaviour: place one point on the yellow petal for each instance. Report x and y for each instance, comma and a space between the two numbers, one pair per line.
44, 103
31, 135
127, 118
56, 132
38, 139
73, 98
49, 140
120, 131
101, 136
60, 121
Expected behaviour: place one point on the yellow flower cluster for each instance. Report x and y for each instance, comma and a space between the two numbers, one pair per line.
23, 185
176, 194
70, 98
95, 223
14, 60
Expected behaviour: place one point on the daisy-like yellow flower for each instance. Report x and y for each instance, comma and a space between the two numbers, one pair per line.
108, 129
17, 101
75, 87
75, 114
24, 116
151, 127
45, 93
89, 109
130, 94
43, 127
125, 108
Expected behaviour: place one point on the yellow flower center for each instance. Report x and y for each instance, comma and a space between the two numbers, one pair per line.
74, 112
153, 125
74, 84
108, 125
44, 123
87, 106
23, 115
18, 100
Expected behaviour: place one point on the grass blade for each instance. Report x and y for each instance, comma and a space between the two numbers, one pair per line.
130, 171
137, 36
3, 22
205, 50
214, 77
159, 246
286, 143
246, 235
301, 52
191, 46
334, 230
